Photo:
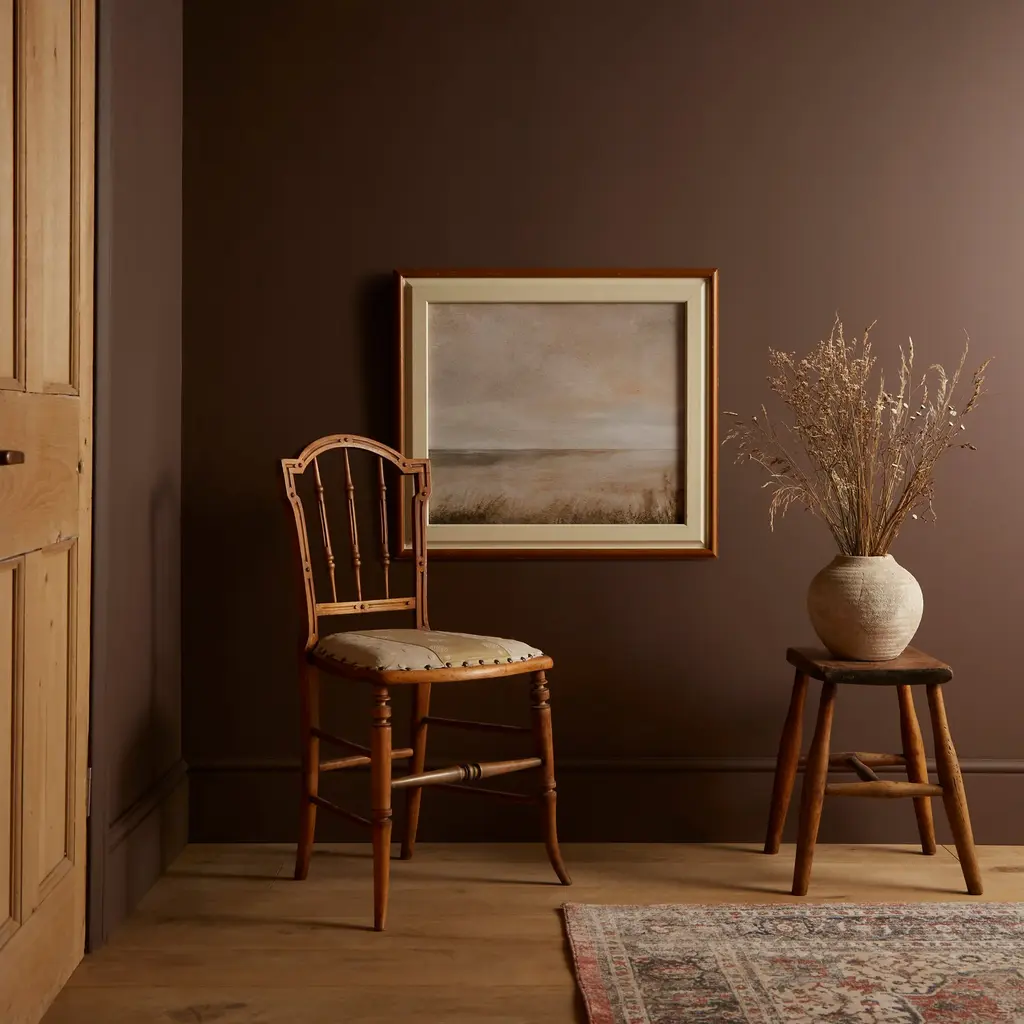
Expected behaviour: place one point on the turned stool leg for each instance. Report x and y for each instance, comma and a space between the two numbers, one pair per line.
953, 796
786, 764
541, 713
813, 793
917, 766
380, 801
309, 701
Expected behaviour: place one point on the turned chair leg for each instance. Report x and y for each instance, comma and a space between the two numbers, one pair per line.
813, 794
786, 764
309, 701
421, 708
953, 797
541, 714
917, 766
380, 802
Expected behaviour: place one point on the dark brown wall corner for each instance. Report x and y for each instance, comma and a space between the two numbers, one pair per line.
139, 815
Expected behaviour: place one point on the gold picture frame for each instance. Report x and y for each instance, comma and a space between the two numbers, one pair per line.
573, 412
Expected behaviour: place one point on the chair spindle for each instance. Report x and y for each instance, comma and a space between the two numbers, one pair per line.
353, 528
385, 554
325, 530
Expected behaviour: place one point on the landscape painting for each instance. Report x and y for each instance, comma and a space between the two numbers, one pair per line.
556, 412
563, 413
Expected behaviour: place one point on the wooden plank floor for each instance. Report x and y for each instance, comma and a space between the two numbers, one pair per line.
474, 932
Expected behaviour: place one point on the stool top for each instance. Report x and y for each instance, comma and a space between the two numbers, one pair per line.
911, 667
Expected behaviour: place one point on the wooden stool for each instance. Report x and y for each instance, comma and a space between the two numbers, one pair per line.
909, 669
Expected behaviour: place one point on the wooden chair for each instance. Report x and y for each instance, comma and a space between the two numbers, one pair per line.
912, 668
417, 657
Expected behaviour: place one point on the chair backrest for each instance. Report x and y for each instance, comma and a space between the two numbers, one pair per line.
418, 470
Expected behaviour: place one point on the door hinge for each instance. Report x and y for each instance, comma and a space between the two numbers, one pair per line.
88, 792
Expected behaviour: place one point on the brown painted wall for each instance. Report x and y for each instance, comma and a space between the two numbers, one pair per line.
860, 157
139, 813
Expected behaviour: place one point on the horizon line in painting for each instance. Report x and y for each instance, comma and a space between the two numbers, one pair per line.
555, 486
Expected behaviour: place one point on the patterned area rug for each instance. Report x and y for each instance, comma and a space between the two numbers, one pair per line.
923, 963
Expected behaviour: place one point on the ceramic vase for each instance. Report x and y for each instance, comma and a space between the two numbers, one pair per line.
865, 608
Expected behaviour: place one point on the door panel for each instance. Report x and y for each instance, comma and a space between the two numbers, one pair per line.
46, 138
47, 99
12, 576
55, 694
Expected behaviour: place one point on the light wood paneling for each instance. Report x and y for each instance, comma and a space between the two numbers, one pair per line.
228, 936
46, 80
8, 159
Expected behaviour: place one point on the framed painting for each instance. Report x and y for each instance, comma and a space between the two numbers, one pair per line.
564, 413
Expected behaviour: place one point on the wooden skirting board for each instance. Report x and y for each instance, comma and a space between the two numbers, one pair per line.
125, 824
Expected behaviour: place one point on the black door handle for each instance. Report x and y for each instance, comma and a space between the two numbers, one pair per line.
10, 457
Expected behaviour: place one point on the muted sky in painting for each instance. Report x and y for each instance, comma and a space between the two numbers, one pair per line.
553, 375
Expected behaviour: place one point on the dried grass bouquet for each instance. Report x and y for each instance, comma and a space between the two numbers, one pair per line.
861, 458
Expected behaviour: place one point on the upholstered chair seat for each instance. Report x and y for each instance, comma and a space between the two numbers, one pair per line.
390, 650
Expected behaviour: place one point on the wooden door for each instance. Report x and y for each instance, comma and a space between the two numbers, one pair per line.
47, 67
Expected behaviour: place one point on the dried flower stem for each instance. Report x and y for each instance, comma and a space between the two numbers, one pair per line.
861, 458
